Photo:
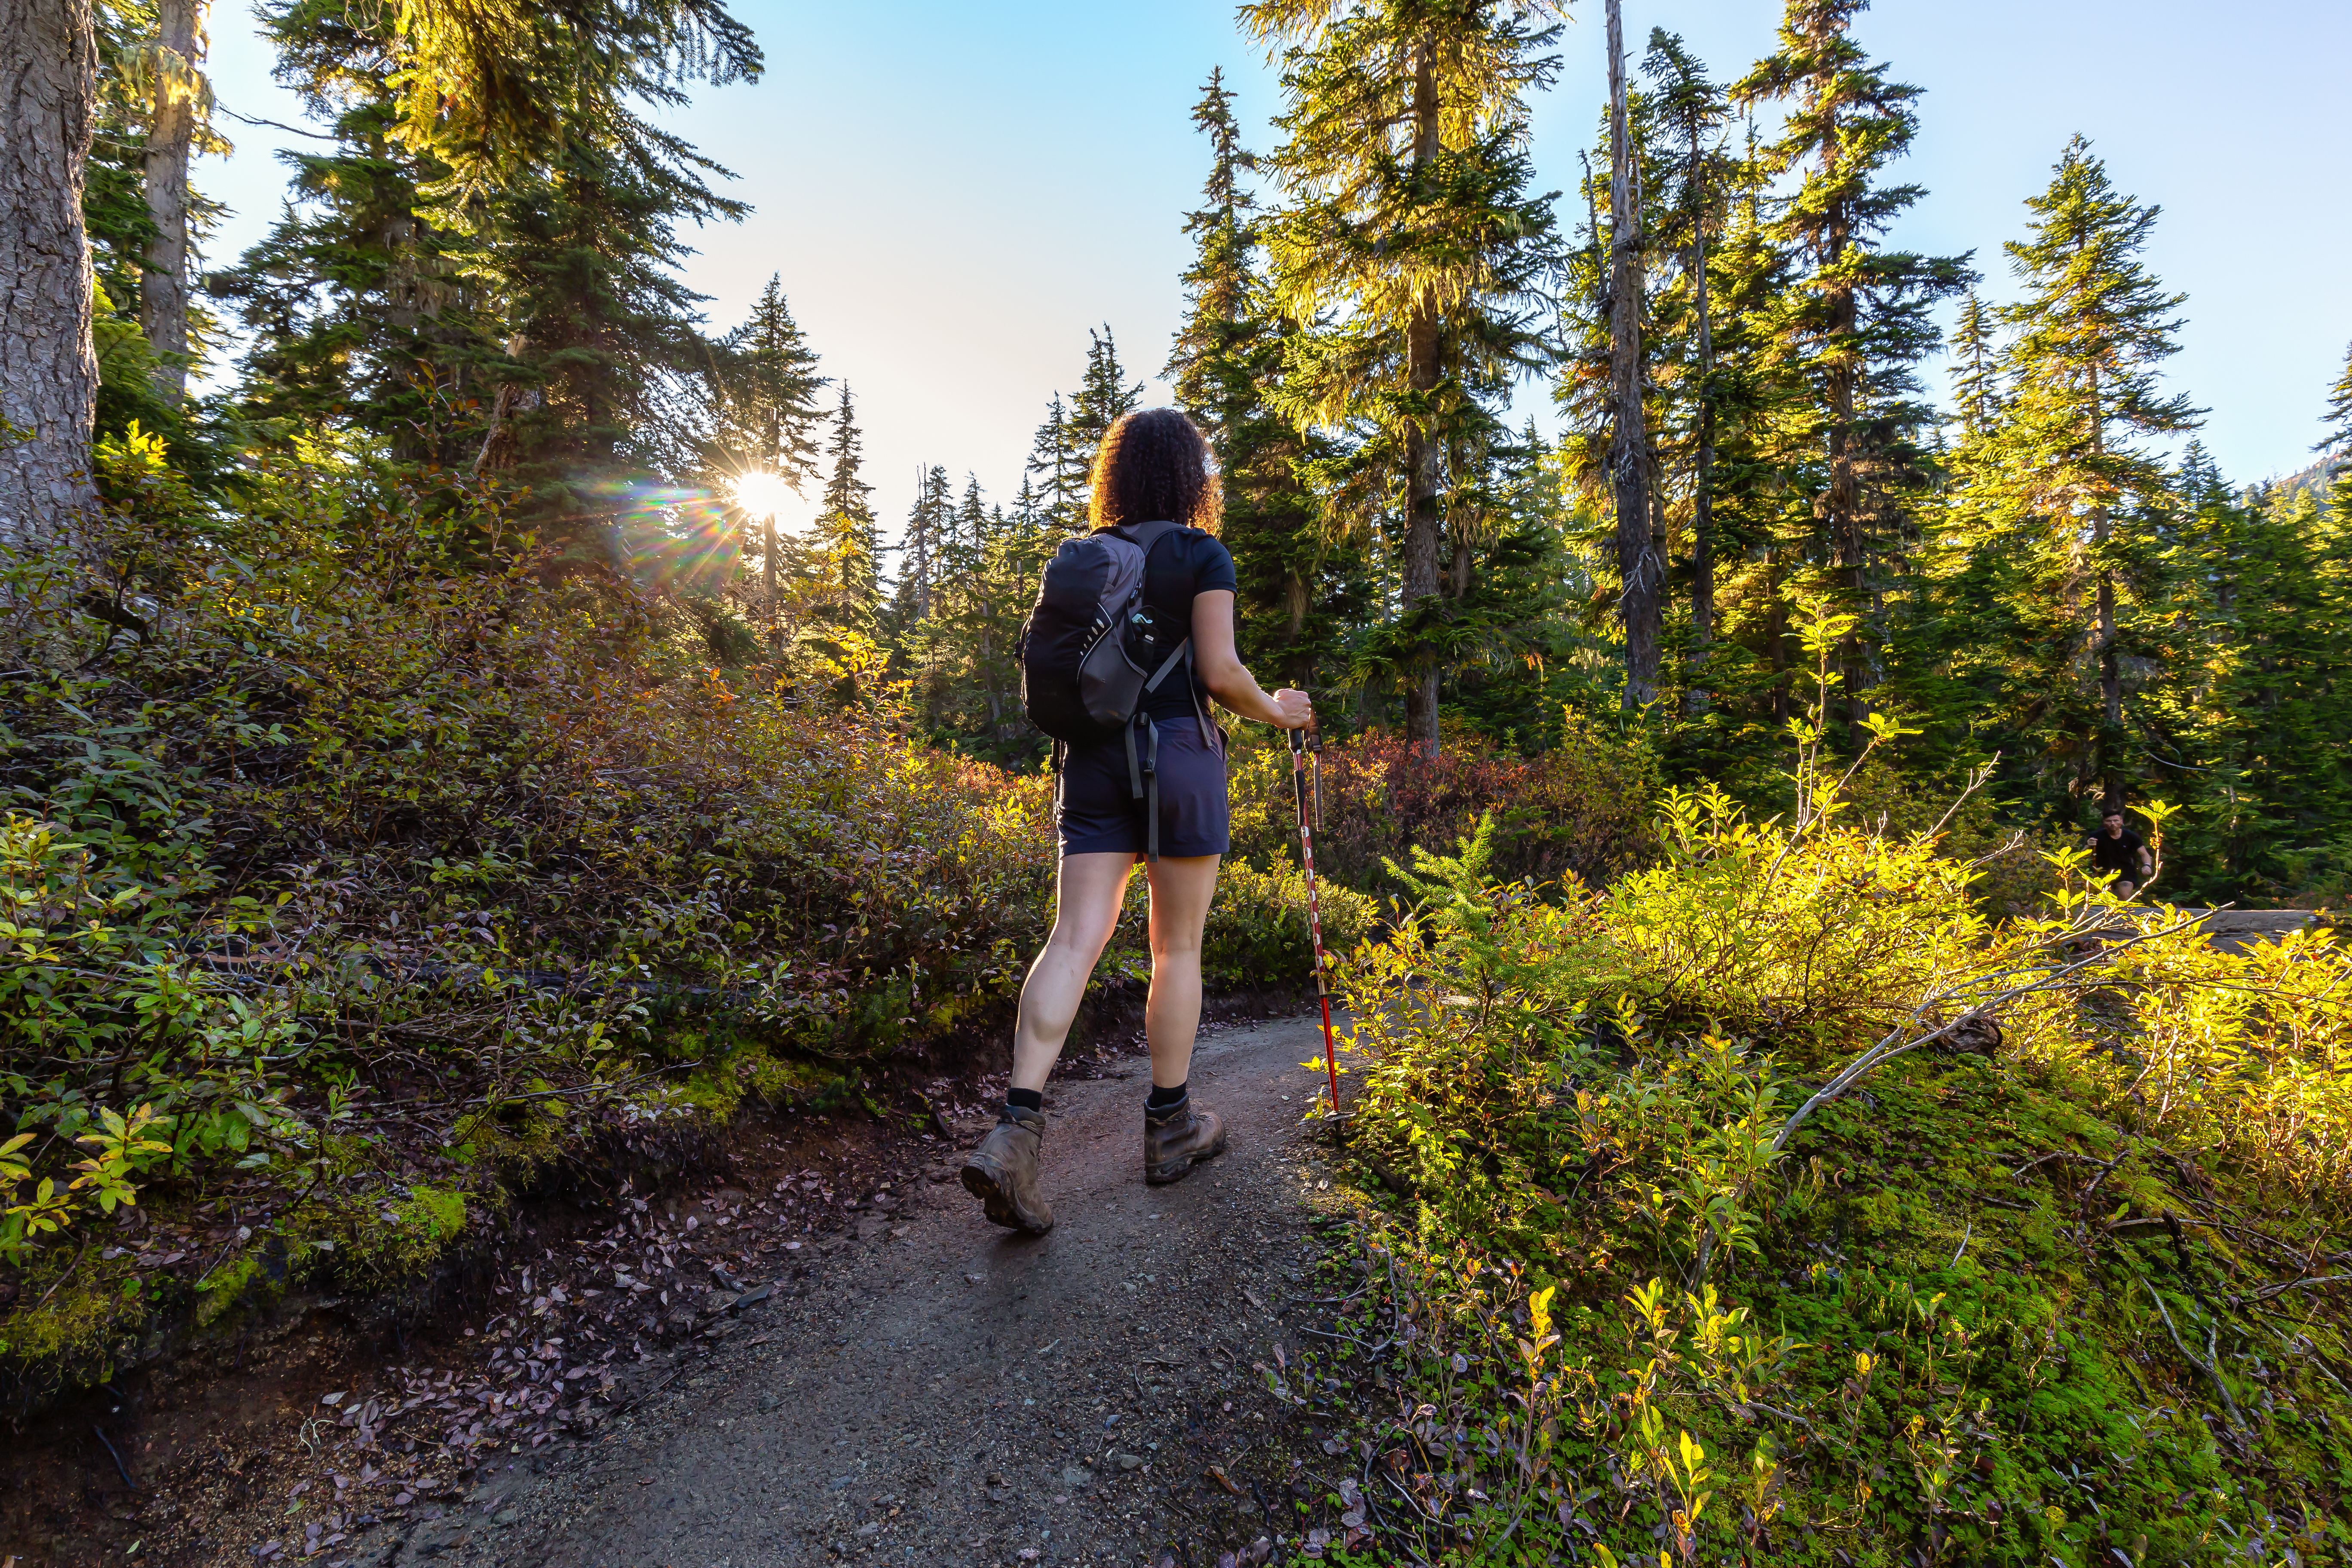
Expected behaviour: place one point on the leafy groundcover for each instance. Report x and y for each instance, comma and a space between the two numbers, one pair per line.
1774, 1206
360, 868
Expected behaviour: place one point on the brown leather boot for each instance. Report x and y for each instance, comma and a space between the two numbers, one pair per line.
1003, 1171
1174, 1138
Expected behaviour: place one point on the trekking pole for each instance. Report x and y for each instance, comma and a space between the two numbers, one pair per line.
1304, 744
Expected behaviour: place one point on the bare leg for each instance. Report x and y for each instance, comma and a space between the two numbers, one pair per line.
1180, 892
1087, 898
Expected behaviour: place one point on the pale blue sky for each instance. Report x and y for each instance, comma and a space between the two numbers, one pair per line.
953, 193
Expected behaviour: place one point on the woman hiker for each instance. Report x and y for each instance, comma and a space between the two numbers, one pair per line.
1153, 467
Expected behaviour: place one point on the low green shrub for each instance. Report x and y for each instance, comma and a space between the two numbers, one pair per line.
1257, 938
1582, 811
1776, 1205
355, 865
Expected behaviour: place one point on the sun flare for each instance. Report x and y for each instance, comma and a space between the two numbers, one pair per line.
764, 494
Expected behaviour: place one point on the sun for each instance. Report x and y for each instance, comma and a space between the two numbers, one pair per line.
764, 494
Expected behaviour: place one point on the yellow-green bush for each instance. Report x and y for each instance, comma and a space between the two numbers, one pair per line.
2017, 1293
1257, 937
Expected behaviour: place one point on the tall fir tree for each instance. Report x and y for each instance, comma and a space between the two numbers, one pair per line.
766, 395
514, 222
1411, 238
2250, 734
1104, 394
2078, 487
179, 114
1857, 320
1055, 464
360, 316
141, 370
763, 391
928, 524
2338, 441
1631, 462
1296, 592
1691, 112
1976, 368
847, 548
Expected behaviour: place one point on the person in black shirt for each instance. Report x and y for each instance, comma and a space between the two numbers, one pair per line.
1153, 467
2121, 855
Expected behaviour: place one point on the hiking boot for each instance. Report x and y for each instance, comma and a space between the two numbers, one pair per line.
1003, 1171
1176, 1136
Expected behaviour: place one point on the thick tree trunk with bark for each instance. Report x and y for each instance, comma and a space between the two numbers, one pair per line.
170, 136
1423, 455
1642, 605
48, 369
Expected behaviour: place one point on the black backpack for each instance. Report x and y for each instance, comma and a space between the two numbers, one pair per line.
1091, 651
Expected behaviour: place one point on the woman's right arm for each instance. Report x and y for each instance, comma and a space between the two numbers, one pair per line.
1228, 681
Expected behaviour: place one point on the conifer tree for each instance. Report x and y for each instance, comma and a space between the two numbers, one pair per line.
1103, 394
764, 387
179, 111
1054, 458
602, 343
2338, 441
929, 525
981, 575
135, 382
1064, 449
767, 394
1409, 215
49, 367
359, 314
1295, 591
1976, 368
1858, 321
846, 552
1641, 559
2261, 715
1690, 110
494, 91
2092, 329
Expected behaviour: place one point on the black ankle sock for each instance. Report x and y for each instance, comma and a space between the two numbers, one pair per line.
1026, 1098
1161, 1099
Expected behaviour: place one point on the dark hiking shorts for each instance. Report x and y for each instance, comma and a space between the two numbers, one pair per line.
1101, 816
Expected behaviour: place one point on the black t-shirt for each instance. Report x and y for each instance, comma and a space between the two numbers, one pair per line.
2117, 854
1181, 566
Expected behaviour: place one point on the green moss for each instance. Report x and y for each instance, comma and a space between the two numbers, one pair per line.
76, 1330
225, 1289
2046, 1365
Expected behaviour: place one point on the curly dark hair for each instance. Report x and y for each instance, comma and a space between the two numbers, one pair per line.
1154, 465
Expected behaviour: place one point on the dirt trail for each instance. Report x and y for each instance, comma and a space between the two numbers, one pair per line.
961, 1395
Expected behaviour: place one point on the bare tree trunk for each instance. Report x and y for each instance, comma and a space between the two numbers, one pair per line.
1295, 605
1641, 604
2110, 678
1422, 455
48, 369
1776, 638
1703, 487
1848, 548
768, 535
164, 278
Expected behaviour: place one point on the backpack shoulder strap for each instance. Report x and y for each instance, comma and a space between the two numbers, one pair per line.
1144, 535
